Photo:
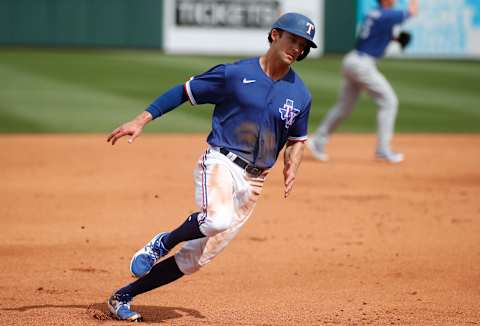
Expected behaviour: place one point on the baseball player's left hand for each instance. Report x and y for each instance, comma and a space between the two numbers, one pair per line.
292, 158
289, 172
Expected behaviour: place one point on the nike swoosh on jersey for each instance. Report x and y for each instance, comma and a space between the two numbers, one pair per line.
248, 81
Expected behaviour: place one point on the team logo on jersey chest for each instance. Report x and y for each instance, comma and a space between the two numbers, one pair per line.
288, 113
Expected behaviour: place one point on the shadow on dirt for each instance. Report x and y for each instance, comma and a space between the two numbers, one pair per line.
99, 311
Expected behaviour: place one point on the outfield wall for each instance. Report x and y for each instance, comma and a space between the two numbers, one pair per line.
90, 23
340, 25
444, 28
240, 24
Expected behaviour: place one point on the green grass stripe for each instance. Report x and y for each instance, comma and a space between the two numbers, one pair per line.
95, 90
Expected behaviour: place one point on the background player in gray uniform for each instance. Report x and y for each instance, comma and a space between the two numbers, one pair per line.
359, 71
261, 106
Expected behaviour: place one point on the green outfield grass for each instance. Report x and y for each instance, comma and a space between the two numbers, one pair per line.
95, 90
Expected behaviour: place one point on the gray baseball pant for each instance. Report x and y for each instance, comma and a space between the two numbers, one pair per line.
360, 73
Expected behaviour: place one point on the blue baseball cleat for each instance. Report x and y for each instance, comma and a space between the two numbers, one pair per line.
144, 259
120, 308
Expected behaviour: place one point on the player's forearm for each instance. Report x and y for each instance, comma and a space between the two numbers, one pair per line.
294, 154
168, 101
143, 118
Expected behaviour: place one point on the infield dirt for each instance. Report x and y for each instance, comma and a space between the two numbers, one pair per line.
358, 242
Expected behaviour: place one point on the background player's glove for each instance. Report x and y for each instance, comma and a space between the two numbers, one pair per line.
404, 39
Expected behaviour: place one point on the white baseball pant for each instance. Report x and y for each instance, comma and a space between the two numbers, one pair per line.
226, 196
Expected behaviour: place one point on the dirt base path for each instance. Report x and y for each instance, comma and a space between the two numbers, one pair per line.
358, 242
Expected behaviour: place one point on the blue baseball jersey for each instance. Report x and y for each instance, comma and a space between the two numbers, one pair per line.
377, 30
254, 116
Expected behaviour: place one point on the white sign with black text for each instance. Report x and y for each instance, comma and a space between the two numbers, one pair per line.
231, 27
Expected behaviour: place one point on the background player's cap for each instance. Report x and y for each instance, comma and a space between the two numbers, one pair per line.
297, 24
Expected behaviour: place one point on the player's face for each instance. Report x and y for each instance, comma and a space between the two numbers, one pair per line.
289, 46
388, 3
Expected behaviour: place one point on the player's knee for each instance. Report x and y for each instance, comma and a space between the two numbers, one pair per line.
193, 268
191, 258
189, 263
392, 101
388, 103
216, 222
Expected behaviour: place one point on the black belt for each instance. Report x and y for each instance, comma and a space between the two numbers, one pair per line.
251, 169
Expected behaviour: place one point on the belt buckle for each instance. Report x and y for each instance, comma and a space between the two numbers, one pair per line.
253, 170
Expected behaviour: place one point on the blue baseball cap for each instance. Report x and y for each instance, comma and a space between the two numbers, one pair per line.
297, 24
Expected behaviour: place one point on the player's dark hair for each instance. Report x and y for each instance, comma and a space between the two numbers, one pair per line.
270, 40
302, 55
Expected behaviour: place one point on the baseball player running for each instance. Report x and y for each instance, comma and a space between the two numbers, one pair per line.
359, 71
261, 105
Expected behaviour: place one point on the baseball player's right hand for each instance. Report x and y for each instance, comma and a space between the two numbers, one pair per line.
132, 128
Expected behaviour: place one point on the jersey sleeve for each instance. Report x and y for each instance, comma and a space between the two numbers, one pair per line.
208, 87
299, 130
396, 16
